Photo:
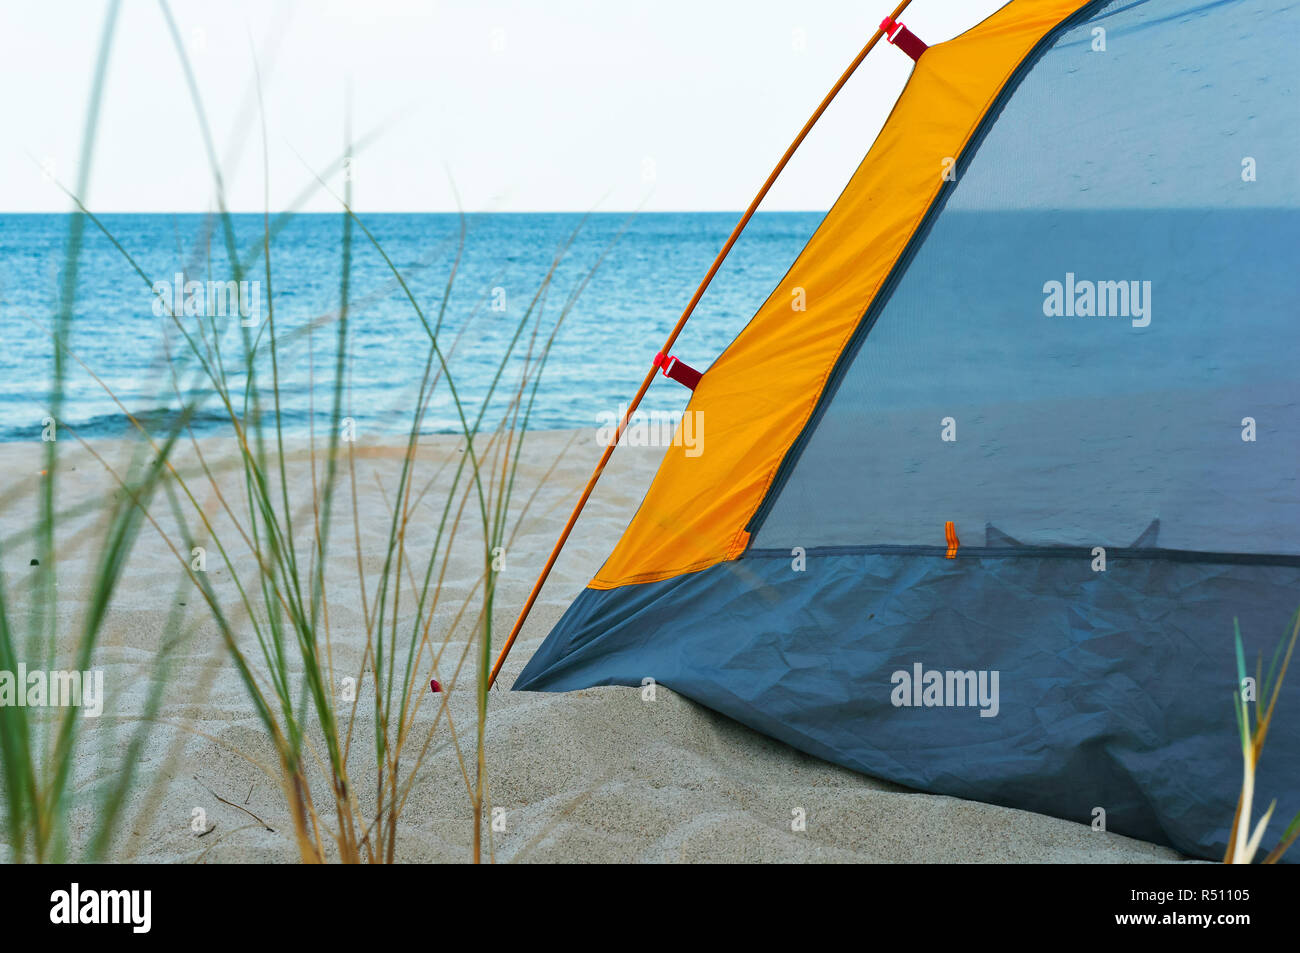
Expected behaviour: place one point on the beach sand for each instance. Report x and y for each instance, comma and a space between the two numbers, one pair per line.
593, 776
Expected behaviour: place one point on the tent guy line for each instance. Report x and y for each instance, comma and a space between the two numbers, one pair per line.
676, 331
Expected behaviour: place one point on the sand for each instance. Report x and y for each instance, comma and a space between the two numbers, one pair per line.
599, 775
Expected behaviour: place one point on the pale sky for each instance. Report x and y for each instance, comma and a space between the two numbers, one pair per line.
567, 105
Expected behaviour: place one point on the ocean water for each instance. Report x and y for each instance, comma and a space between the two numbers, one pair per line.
646, 267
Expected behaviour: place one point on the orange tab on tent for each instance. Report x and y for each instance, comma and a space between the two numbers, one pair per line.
950, 534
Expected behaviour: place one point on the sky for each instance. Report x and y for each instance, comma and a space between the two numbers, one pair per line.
566, 105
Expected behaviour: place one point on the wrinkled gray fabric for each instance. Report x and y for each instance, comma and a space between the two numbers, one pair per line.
1115, 687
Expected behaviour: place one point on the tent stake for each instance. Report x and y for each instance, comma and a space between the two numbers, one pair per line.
677, 329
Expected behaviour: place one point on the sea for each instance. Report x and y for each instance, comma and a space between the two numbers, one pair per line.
596, 294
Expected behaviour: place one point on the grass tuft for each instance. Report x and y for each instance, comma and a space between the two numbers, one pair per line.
1254, 714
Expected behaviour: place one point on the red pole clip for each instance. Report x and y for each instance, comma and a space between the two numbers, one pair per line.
903, 38
682, 373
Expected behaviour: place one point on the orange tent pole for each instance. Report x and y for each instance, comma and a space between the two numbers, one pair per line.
672, 337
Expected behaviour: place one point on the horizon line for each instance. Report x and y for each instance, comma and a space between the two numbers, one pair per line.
1242, 207
564, 211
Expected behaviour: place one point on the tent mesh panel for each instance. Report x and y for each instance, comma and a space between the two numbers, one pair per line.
1153, 182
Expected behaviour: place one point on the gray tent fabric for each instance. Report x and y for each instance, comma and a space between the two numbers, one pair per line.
1114, 689
1085, 362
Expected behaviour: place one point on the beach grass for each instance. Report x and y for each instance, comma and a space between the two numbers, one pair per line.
272, 611
38, 746
1254, 704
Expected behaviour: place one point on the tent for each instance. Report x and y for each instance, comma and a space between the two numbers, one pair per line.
989, 477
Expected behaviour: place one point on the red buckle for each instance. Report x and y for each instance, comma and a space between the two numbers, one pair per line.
682, 373
903, 38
